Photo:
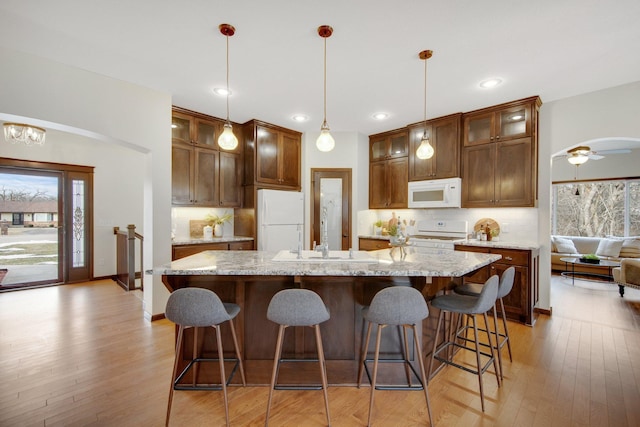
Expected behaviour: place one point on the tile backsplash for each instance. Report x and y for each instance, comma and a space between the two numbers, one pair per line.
183, 218
516, 224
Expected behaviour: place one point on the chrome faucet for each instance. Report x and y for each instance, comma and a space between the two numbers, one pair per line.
324, 244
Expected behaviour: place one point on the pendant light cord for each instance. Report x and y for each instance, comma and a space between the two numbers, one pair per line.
324, 122
425, 97
227, 78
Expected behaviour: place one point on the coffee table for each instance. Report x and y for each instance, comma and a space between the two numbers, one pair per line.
576, 261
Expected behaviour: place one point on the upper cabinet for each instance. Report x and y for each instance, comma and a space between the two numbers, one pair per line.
507, 121
201, 174
388, 169
444, 137
272, 156
500, 155
388, 145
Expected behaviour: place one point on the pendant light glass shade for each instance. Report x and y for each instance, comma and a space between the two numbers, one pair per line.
227, 140
325, 141
425, 150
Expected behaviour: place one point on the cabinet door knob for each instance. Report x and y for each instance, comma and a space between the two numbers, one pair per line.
508, 258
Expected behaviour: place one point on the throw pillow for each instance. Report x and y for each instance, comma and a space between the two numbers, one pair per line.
564, 246
609, 248
630, 248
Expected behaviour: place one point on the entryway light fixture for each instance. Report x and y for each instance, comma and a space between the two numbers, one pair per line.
227, 140
325, 141
26, 134
425, 150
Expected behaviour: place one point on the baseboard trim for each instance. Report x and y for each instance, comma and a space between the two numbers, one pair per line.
543, 310
157, 317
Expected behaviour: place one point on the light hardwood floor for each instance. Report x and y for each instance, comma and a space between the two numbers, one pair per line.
82, 355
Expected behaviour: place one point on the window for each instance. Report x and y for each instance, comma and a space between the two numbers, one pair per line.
596, 209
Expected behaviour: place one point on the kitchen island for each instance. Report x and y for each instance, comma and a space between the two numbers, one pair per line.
251, 278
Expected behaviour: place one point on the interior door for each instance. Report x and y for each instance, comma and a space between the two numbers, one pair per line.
331, 189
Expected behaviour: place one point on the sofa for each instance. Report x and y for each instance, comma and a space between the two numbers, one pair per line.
610, 248
628, 274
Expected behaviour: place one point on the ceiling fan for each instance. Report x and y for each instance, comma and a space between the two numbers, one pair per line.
579, 155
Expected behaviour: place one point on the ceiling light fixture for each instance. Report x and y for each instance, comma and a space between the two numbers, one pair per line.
325, 141
26, 134
490, 83
221, 91
227, 140
577, 158
380, 116
425, 150
300, 118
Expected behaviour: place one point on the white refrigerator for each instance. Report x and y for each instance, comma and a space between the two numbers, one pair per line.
280, 220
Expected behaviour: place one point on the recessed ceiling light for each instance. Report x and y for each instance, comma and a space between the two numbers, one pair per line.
490, 83
380, 116
221, 91
300, 118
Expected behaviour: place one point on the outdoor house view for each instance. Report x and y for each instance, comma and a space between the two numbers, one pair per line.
29, 223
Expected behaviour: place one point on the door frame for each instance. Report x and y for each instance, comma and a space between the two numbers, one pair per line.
316, 175
67, 273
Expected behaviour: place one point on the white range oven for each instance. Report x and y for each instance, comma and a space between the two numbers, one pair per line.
439, 233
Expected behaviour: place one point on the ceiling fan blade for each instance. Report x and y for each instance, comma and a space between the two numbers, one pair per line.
617, 151
594, 156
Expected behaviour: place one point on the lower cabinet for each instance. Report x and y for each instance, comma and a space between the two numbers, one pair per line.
519, 304
181, 251
365, 244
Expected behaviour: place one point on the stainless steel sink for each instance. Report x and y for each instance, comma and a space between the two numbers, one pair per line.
334, 256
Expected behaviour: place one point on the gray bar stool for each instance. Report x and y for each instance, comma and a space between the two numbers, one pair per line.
470, 306
398, 306
194, 308
297, 307
505, 286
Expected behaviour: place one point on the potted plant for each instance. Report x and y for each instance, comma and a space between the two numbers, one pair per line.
216, 222
377, 227
590, 258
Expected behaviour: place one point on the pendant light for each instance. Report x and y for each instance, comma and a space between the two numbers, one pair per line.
425, 150
325, 141
227, 140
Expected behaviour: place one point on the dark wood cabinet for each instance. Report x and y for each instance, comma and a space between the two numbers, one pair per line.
500, 156
365, 244
388, 170
444, 136
181, 251
519, 304
201, 175
500, 123
272, 156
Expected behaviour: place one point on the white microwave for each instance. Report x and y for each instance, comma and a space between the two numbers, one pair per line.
437, 193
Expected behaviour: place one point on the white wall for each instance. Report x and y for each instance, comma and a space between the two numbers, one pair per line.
612, 112
110, 162
351, 151
113, 115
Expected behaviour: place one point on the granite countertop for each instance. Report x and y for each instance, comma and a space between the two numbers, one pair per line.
373, 236
417, 262
200, 240
500, 244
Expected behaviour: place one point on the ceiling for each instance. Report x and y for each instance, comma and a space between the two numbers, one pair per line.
551, 48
